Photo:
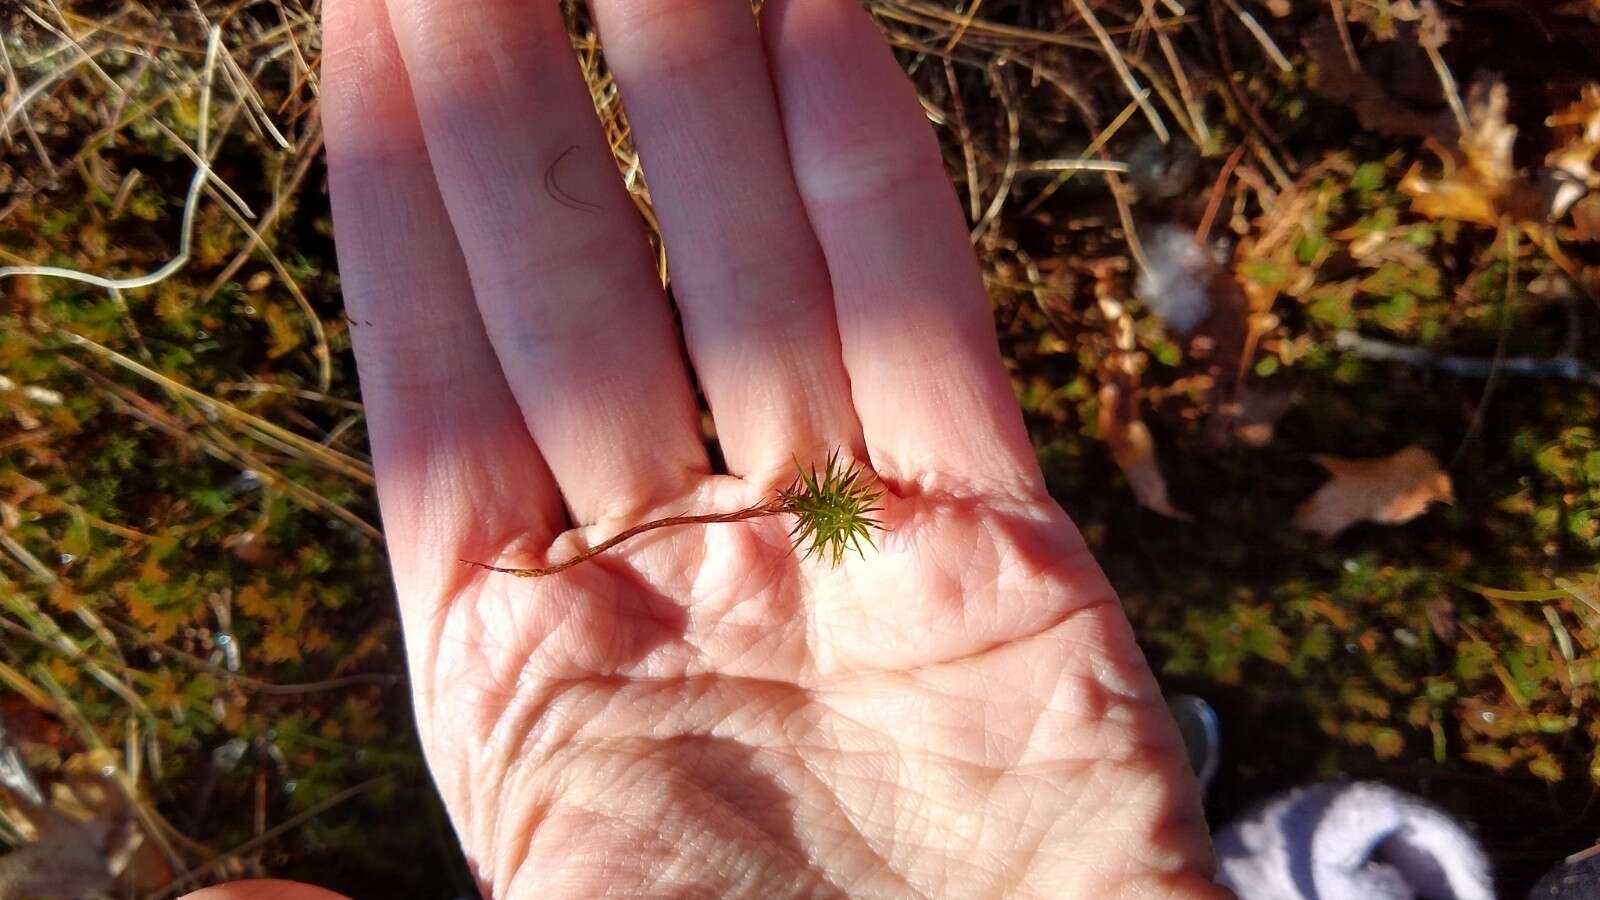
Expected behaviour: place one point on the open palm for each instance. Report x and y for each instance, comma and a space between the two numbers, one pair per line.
958, 712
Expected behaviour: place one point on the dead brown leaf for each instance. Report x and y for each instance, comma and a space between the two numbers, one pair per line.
1335, 77
1571, 171
1584, 588
1390, 490
1586, 219
1135, 452
84, 839
1478, 179
1252, 419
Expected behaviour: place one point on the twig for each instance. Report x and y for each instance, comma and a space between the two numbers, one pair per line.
1496, 364
255, 684
1202, 232
1561, 368
268, 836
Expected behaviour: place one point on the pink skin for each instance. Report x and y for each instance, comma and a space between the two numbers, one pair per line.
960, 713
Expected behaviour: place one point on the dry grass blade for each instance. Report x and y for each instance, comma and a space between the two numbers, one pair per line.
1433, 32
19, 108
1260, 34
333, 460
1083, 163
308, 155
228, 452
319, 334
960, 31
24, 556
1341, 24
199, 157
50, 633
245, 89
969, 153
1073, 165
262, 387
186, 228
1176, 66
1008, 175
25, 688
1114, 56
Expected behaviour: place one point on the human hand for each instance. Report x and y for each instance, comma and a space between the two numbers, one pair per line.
960, 712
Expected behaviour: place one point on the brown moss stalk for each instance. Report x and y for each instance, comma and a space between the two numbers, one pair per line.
832, 507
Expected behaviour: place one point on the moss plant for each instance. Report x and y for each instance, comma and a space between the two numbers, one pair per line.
832, 507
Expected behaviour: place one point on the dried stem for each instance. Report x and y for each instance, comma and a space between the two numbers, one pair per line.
833, 510
770, 508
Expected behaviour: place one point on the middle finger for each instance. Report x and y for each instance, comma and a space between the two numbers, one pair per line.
747, 271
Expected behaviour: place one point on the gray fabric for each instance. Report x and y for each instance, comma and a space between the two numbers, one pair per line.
1356, 841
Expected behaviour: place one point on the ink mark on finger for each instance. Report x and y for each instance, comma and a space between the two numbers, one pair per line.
552, 186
